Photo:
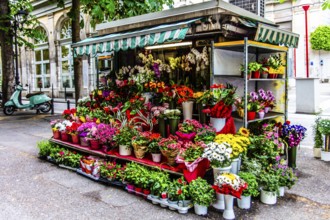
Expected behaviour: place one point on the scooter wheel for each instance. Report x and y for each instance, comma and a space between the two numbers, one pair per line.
47, 106
8, 110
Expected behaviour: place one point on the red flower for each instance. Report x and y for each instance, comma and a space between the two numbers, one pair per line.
217, 86
179, 192
206, 111
288, 122
180, 181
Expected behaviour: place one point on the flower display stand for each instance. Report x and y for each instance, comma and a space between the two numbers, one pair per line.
164, 203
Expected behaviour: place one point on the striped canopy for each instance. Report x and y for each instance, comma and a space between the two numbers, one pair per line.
273, 35
130, 40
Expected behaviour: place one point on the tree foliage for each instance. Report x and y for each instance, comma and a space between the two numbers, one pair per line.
320, 38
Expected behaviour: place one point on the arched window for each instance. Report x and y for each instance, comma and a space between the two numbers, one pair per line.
41, 57
66, 55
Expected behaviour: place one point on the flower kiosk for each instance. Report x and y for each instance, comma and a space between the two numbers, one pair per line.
174, 111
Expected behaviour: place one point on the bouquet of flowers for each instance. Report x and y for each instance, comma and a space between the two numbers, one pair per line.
184, 93
205, 134
172, 113
218, 154
237, 142
223, 98
85, 128
293, 134
230, 184
187, 129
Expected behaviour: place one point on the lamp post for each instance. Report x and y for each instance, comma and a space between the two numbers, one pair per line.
306, 7
19, 19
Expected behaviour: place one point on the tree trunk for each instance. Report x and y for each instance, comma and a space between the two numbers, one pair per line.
77, 62
7, 54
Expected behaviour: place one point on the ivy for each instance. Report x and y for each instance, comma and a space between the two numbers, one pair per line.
319, 39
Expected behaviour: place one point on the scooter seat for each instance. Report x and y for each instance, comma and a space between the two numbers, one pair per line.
33, 94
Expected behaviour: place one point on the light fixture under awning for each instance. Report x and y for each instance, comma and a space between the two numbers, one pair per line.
130, 40
273, 35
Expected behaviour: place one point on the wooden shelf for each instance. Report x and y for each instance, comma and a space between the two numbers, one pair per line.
268, 115
101, 154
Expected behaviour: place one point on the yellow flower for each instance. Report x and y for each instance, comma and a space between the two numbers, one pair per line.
243, 131
197, 95
82, 119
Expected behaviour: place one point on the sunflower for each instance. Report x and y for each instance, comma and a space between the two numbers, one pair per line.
244, 132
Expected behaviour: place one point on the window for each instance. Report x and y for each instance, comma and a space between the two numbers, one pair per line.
66, 56
41, 57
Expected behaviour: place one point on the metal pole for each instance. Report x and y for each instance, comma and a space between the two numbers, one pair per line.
68, 104
65, 93
306, 7
52, 100
16, 54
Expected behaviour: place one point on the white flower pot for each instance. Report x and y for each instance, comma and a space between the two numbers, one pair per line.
218, 123
317, 152
218, 170
156, 157
325, 156
229, 207
261, 115
269, 198
234, 166
162, 204
200, 210
172, 203
187, 109
125, 150
267, 109
282, 190
220, 202
244, 202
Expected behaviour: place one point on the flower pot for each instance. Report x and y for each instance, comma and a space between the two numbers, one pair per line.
234, 166
239, 163
56, 134
95, 144
138, 190
187, 109
163, 200
268, 198
218, 170
174, 122
218, 123
292, 157
162, 127
125, 150
244, 202
229, 207
251, 115
261, 115
256, 74
184, 203
130, 188
156, 157
282, 190
325, 156
200, 209
154, 197
172, 203
202, 115
280, 76
317, 152
170, 155
84, 142
75, 138
64, 136
139, 150
146, 192
272, 75
219, 202
240, 112
267, 109
264, 75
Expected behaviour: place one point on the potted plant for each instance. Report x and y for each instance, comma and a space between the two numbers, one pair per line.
254, 68
170, 147
110, 170
287, 178
105, 134
73, 131
252, 190
252, 106
173, 116
274, 62
318, 142
324, 128
55, 124
187, 129
219, 156
83, 131
185, 97
202, 195
205, 134
153, 147
140, 144
178, 193
269, 181
159, 184
123, 139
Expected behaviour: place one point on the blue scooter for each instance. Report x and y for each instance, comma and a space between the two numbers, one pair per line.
37, 100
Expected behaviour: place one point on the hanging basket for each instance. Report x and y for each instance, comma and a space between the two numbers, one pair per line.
139, 150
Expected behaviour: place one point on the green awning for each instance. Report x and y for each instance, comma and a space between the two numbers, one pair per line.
130, 40
273, 35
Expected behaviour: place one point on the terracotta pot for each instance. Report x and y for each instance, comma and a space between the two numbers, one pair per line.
56, 134
75, 138
95, 145
256, 74
64, 136
272, 75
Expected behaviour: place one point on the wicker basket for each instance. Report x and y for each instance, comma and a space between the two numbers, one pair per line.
170, 155
240, 112
139, 151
